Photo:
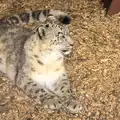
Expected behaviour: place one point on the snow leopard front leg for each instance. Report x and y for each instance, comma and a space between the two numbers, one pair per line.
63, 90
60, 97
37, 92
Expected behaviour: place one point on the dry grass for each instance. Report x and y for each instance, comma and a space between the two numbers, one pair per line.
93, 67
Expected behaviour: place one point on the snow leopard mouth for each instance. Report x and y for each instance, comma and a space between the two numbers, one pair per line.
66, 52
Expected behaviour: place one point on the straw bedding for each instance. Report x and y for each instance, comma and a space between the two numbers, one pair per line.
93, 67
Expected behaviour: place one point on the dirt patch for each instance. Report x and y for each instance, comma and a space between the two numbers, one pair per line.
93, 67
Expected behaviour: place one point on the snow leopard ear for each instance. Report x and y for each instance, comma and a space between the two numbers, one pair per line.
41, 32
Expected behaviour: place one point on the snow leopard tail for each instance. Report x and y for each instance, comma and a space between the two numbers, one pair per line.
28, 17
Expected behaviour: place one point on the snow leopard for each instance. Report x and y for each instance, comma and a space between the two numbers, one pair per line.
34, 61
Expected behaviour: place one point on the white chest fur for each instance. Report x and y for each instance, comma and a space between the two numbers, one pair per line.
53, 69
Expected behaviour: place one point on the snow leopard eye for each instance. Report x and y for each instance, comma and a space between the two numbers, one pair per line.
47, 25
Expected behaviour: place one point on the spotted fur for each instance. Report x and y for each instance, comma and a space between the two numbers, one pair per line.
29, 17
34, 61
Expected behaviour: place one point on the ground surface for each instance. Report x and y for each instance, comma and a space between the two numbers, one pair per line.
93, 67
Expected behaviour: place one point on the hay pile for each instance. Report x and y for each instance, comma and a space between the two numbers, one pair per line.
93, 67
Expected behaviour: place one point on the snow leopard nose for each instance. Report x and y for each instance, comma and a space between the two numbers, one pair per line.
71, 44
70, 41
